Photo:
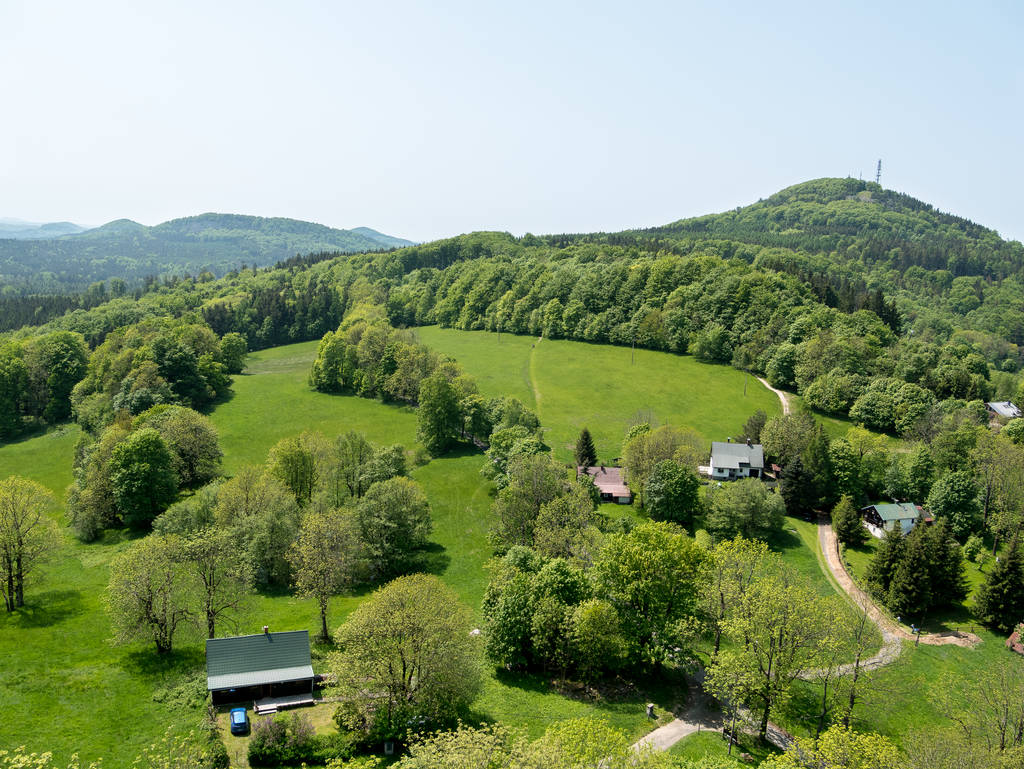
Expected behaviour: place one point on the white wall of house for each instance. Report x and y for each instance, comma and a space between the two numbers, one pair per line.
727, 474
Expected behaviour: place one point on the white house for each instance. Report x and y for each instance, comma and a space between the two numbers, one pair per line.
736, 460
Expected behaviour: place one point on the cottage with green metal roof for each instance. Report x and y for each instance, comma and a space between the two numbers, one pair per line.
251, 667
885, 517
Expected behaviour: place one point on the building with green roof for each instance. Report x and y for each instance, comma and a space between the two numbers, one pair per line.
251, 667
881, 518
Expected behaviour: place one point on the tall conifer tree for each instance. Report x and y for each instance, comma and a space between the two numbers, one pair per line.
586, 454
910, 593
1000, 601
887, 558
847, 524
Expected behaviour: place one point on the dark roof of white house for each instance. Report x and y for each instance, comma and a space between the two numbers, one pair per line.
730, 456
254, 660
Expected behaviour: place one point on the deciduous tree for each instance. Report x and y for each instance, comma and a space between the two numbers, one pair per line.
673, 493
27, 535
533, 481
222, 574
147, 596
406, 654
954, 497
439, 421
744, 507
142, 477
394, 520
565, 526
652, 576
191, 438
263, 518
327, 558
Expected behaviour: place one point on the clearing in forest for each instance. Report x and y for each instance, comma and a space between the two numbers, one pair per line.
605, 388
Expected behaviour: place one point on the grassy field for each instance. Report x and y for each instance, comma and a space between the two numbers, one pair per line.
272, 401
573, 385
73, 691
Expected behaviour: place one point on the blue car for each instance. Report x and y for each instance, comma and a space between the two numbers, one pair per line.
239, 721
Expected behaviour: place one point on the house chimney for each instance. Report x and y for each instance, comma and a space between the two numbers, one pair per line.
266, 629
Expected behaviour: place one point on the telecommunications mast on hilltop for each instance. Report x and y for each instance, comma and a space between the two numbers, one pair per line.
878, 171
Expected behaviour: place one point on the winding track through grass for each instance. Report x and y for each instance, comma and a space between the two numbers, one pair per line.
893, 633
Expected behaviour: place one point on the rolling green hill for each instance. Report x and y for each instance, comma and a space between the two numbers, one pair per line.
210, 242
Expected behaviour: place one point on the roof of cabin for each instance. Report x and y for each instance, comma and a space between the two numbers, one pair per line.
253, 660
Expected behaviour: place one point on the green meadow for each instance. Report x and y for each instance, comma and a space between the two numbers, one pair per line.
72, 691
573, 385
65, 688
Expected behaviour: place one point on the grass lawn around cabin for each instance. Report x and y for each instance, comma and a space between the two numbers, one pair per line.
573, 385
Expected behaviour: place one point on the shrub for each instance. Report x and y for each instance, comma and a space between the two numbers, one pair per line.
291, 740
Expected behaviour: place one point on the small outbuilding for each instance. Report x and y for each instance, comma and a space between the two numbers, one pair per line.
1004, 409
730, 461
254, 667
886, 517
609, 483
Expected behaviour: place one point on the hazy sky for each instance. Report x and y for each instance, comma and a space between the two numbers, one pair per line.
429, 119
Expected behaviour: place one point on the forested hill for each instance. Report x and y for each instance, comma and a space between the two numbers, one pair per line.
864, 301
850, 219
211, 242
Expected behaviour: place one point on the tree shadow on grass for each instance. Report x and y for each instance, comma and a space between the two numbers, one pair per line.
461, 450
950, 618
117, 536
31, 432
47, 609
802, 706
784, 540
147, 663
615, 694
431, 559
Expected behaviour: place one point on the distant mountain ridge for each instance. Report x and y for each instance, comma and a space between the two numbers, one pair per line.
16, 229
71, 260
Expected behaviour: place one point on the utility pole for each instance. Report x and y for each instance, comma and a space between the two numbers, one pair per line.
878, 171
